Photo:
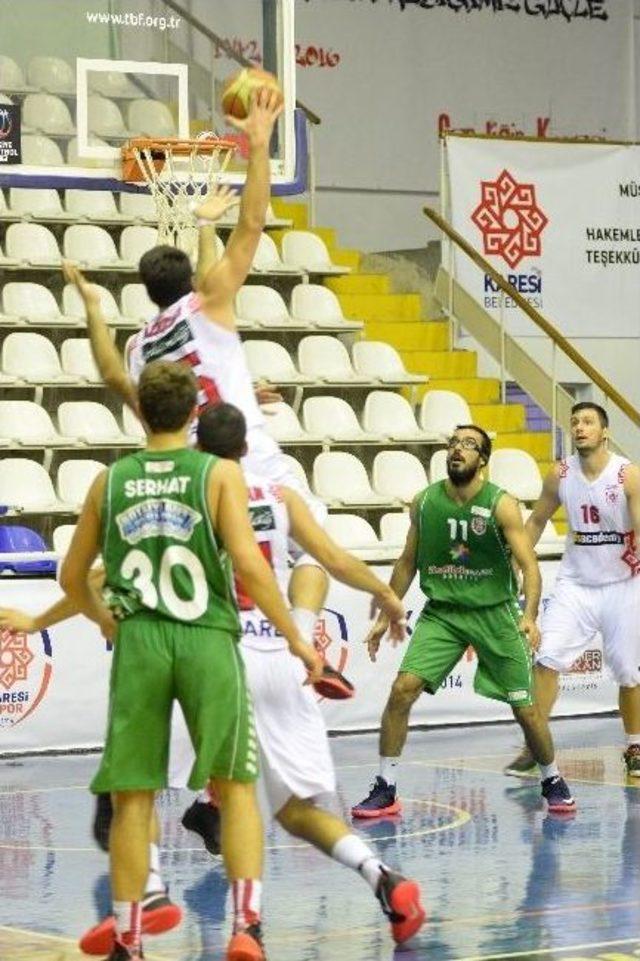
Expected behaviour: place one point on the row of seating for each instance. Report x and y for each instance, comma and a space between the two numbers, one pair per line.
29, 358
49, 114
55, 75
338, 478
34, 245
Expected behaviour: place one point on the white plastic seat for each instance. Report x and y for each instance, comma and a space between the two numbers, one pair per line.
131, 426
438, 466
150, 118
37, 204
398, 475
4, 210
7, 261
442, 410
340, 478
11, 76
26, 484
73, 158
136, 241
382, 362
391, 415
40, 151
334, 419
267, 259
394, 528
281, 423
138, 206
92, 246
104, 117
111, 83
93, 424
517, 472
33, 244
550, 541
47, 113
92, 205
298, 471
29, 425
271, 362
62, 537
355, 534
318, 306
136, 304
261, 306
73, 304
31, 304
74, 479
52, 75
326, 359
33, 359
77, 360
304, 250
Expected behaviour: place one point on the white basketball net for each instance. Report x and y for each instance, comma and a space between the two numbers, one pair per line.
185, 180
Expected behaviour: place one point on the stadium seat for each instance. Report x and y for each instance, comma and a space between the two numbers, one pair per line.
73, 158
93, 424
334, 419
62, 537
398, 475
40, 151
77, 361
31, 304
33, 244
150, 118
37, 204
394, 528
17, 540
382, 362
550, 541
281, 422
260, 306
139, 207
11, 76
47, 114
319, 307
52, 75
391, 415
441, 411
297, 470
92, 246
355, 534
73, 304
104, 118
517, 472
271, 362
136, 241
29, 425
26, 484
4, 210
438, 466
326, 359
92, 205
267, 259
304, 250
7, 261
74, 479
33, 359
136, 305
340, 478
112, 83
131, 425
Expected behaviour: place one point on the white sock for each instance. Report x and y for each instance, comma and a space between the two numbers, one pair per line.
154, 883
305, 620
127, 923
633, 739
388, 769
548, 770
203, 796
355, 854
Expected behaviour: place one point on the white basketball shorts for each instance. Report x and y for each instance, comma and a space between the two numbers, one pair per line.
575, 613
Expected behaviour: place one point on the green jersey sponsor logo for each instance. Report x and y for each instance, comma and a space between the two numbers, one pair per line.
157, 518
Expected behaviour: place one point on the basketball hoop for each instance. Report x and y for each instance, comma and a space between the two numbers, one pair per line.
178, 173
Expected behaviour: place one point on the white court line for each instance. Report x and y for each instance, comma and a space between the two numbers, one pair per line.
566, 949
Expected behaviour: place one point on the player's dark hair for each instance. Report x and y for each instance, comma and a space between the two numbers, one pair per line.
222, 430
485, 440
166, 273
167, 394
588, 405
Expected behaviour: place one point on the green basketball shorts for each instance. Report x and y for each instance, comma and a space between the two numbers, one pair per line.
155, 662
443, 633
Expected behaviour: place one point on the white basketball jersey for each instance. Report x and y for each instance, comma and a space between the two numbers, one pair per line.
600, 547
183, 332
270, 522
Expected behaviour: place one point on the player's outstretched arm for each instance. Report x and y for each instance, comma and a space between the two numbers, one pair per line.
222, 282
62, 610
509, 519
545, 507
221, 199
105, 353
229, 509
75, 575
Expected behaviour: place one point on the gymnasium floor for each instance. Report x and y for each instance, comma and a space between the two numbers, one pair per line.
502, 879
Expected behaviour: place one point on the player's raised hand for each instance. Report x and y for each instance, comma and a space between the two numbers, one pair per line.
375, 635
73, 275
13, 620
267, 394
530, 629
220, 199
265, 107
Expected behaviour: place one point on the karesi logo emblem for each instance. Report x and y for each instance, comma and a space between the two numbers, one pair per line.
510, 220
331, 638
25, 673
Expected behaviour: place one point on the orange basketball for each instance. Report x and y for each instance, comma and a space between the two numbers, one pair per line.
237, 90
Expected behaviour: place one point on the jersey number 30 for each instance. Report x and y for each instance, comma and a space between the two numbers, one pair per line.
137, 568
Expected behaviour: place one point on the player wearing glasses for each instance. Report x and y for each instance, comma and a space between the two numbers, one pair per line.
464, 533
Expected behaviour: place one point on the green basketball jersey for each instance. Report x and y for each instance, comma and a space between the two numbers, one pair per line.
463, 557
160, 552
